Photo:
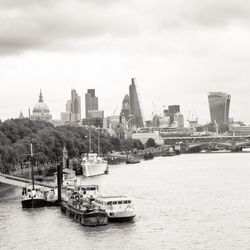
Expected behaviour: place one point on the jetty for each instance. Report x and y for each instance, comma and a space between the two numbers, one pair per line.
21, 182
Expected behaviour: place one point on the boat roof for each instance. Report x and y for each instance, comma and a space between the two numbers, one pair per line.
67, 171
90, 185
92, 154
113, 198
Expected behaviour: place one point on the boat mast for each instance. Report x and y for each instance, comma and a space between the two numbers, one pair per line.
31, 155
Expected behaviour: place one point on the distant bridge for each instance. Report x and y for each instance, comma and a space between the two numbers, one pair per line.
234, 143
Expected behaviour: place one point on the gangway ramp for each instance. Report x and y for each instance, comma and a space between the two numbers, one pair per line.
21, 182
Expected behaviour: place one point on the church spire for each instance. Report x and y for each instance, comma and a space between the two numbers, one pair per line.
41, 96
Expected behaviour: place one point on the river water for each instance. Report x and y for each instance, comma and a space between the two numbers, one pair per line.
192, 201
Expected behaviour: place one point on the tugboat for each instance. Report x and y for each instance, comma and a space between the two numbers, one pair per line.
84, 211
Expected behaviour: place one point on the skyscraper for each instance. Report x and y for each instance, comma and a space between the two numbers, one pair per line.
125, 107
135, 108
72, 116
75, 106
219, 107
173, 109
91, 102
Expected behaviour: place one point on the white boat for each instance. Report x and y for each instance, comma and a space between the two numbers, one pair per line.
38, 196
93, 165
118, 208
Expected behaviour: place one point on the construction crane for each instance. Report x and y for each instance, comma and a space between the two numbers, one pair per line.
115, 110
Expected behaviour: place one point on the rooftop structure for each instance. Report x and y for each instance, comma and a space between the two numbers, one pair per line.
41, 110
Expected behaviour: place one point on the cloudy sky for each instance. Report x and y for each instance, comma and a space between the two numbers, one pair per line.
178, 50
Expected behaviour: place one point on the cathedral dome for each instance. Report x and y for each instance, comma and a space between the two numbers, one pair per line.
41, 107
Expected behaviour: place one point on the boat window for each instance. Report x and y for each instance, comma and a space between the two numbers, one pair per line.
109, 202
92, 188
129, 201
125, 202
114, 202
119, 202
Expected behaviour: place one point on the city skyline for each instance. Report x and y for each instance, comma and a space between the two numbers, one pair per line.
188, 114
177, 55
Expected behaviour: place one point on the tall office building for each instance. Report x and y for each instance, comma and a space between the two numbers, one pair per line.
125, 108
219, 104
75, 106
91, 102
69, 106
135, 108
72, 116
172, 109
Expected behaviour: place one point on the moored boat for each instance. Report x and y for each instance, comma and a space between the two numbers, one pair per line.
132, 161
37, 196
83, 211
118, 208
93, 165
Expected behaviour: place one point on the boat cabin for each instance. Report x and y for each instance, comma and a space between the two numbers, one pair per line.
88, 190
113, 201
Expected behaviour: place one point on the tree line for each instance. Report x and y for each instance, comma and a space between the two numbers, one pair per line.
48, 142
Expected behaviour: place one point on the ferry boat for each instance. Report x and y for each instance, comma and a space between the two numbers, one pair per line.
93, 165
118, 208
83, 211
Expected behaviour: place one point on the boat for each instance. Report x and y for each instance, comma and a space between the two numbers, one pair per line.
118, 208
168, 153
38, 196
92, 163
90, 191
132, 160
34, 196
83, 211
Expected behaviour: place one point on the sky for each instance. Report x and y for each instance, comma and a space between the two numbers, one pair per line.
177, 50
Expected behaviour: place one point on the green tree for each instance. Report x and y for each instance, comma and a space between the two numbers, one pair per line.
150, 143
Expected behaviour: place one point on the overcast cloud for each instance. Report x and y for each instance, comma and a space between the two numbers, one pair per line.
177, 49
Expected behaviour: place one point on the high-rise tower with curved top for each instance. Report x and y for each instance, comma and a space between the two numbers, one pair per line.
219, 104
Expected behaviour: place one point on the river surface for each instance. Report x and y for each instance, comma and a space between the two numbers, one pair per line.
192, 201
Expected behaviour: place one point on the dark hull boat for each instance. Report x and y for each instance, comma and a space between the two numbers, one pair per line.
88, 217
33, 203
37, 197
121, 219
132, 161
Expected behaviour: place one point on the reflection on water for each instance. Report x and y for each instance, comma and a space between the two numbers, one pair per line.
198, 201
